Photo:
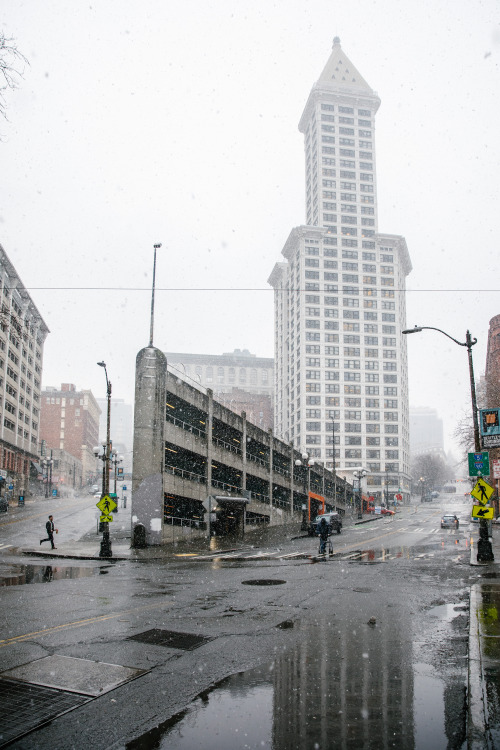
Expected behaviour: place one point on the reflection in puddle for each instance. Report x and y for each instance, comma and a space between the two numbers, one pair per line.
341, 685
237, 714
428, 709
18, 575
384, 555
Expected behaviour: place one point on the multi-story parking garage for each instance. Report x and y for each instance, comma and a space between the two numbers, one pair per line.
240, 460
218, 468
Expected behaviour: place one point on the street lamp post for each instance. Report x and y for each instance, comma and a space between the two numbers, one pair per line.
359, 474
485, 550
47, 463
105, 550
422, 487
115, 461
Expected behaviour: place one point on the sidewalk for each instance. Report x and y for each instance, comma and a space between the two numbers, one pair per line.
483, 730
88, 546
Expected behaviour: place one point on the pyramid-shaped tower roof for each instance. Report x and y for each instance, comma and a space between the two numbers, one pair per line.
340, 79
340, 71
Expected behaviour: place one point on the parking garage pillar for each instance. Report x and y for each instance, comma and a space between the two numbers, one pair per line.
244, 449
148, 455
270, 433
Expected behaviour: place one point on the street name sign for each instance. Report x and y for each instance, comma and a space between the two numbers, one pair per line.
106, 518
479, 464
479, 511
482, 491
106, 504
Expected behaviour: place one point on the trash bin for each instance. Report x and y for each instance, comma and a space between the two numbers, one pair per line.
20, 500
139, 537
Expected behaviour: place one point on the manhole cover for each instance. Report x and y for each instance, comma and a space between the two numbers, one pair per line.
263, 582
170, 638
26, 707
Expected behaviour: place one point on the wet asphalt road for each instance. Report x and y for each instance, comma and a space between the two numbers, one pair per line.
365, 650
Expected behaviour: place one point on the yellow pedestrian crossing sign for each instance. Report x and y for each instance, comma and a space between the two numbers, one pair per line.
479, 511
106, 504
106, 518
482, 491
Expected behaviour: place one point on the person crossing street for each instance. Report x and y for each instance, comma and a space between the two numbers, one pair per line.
50, 532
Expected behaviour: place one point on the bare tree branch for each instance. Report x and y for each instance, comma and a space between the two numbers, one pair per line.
12, 65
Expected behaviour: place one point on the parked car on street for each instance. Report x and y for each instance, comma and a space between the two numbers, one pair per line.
4, 505
333, 520
386, 512
449, 521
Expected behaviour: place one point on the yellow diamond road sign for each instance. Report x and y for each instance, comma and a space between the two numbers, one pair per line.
479, 511
482, 491
106, 504
106, 518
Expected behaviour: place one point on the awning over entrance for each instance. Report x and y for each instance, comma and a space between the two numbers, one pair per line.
35, 469
228, 500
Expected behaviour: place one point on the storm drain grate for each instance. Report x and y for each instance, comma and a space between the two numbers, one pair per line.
170, 638
25, 707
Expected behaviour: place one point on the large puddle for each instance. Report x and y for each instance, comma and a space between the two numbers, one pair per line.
19, 575
345, 683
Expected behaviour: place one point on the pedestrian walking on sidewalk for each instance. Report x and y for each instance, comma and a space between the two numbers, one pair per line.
50, 532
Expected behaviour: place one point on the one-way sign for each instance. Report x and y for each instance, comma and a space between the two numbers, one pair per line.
479, 511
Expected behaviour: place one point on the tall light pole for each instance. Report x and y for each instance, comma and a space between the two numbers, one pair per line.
359, 474
106, 541
485, 550
115, 461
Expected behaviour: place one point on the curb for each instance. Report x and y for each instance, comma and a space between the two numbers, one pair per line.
478, 736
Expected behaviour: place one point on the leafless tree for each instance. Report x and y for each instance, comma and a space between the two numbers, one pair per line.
432, 467
12, 64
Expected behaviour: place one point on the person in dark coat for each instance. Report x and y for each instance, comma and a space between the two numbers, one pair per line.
50, 532
323, 532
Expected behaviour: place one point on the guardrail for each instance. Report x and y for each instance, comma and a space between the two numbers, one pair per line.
200, 478
185, 425
257, 460
227, 446
225, 486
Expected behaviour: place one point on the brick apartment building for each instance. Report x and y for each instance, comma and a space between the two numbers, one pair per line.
69, 423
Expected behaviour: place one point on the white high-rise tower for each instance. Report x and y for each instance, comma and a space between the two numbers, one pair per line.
341, 362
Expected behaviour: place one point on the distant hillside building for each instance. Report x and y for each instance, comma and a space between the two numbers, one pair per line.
70, 422
122, 428
22, 336
426, 432
240, 380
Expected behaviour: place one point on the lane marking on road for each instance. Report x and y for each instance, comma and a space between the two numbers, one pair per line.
78, 624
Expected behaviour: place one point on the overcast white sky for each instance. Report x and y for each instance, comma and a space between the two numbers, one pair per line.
170, 122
